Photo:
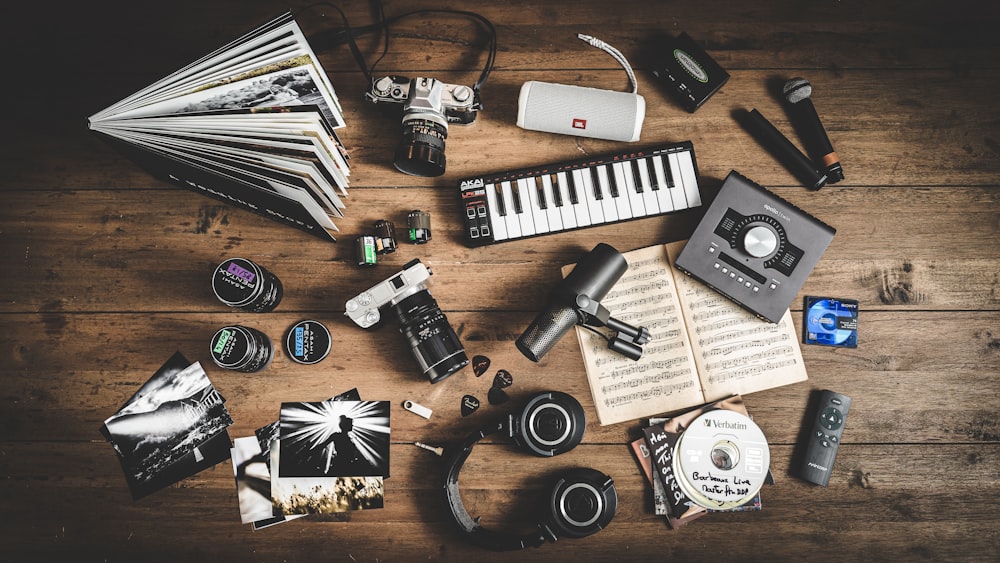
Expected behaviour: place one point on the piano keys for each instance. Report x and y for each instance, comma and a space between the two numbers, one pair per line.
582, 193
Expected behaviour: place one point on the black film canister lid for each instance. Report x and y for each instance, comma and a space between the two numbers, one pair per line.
308, 342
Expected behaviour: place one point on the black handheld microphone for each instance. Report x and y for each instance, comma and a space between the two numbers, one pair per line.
576, 300
800, 108
783, 149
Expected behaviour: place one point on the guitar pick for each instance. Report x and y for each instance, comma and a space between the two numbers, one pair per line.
469, 405
498, 396
480, 364
503, 379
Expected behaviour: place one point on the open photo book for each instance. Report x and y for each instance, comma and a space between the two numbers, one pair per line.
251, 124
703, 348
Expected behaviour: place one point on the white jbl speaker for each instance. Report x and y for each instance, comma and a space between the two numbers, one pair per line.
580, 111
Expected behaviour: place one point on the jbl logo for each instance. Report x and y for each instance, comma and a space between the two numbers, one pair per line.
579, 123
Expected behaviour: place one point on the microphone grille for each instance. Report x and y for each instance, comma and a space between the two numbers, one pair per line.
797, 89
545, 331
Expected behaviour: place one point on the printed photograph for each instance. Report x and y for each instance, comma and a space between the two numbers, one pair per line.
334, 439
174, 414
322, 495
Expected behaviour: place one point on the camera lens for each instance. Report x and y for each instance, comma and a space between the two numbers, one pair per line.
421, 151
434, 343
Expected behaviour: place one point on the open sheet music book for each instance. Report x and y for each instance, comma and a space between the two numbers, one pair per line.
251, 124
704, 347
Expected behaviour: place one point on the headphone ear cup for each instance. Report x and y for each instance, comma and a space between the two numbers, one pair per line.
550, 423
583, 501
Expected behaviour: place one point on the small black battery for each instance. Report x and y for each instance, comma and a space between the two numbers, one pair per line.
689, 73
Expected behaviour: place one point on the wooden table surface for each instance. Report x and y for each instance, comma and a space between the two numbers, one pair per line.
105, 274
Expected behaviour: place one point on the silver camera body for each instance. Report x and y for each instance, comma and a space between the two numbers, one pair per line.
364, 308
429, 105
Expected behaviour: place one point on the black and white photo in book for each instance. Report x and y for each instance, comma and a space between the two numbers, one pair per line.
173, 427
251, 124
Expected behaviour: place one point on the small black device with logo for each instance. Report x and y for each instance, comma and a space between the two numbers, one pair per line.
689, 73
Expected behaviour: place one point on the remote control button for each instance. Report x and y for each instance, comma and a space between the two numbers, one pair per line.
831, 419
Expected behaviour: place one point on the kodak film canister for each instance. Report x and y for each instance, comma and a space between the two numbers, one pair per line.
307, 342
241, 348
385, 237
418, 224
242, 284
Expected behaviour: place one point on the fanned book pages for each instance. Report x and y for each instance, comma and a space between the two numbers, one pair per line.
704, 347
251, 124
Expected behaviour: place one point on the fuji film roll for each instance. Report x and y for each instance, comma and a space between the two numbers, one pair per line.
721, 460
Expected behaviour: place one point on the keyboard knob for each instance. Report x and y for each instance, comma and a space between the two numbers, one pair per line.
759, 241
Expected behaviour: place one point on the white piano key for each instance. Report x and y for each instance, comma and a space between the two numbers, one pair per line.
581, 209
677, 192
691, 191
552, 210
585, 188
608, 205
623, 202
525, 217
663, 194
498, 223
634, 197
540, 218
512, 219
566, 213
651, 204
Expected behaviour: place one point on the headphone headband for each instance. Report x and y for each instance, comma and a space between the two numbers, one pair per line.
582, 502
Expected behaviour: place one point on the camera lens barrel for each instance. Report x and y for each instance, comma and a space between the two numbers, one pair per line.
433, 342
421, 150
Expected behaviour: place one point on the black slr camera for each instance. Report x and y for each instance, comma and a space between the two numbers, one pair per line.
429, 105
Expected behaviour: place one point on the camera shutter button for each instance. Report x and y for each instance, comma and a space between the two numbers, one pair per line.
383, 86
461, 93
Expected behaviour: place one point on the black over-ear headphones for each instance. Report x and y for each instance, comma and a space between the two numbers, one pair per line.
582, 501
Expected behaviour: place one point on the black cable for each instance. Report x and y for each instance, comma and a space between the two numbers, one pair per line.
347, 34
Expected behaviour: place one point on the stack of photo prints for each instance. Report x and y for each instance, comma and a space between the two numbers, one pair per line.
656, 462
318, 458
251, 124
172, 428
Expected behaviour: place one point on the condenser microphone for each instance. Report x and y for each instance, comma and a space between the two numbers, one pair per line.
798, 94
576, 300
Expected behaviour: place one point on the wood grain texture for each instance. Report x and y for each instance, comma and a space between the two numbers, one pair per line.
104, 273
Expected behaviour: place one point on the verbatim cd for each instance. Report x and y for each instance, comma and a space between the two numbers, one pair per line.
721, 460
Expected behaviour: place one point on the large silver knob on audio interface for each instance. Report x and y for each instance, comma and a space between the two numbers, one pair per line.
759, 241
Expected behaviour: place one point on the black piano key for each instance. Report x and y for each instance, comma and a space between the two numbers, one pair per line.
540, 189
636, 176
612, 181
654, 182
595, 179
667, 172
515, 192
574, 199
556, 194
501, 204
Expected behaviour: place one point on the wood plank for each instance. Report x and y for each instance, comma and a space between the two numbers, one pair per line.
69, 248
902, 514
69, 372
945, 144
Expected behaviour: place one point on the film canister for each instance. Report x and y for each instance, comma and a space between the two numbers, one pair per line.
242, 284
307, 342
385, 237
241, 348
418, 224
364, 251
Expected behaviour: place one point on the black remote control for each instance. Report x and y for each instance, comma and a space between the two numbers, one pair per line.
824, 439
